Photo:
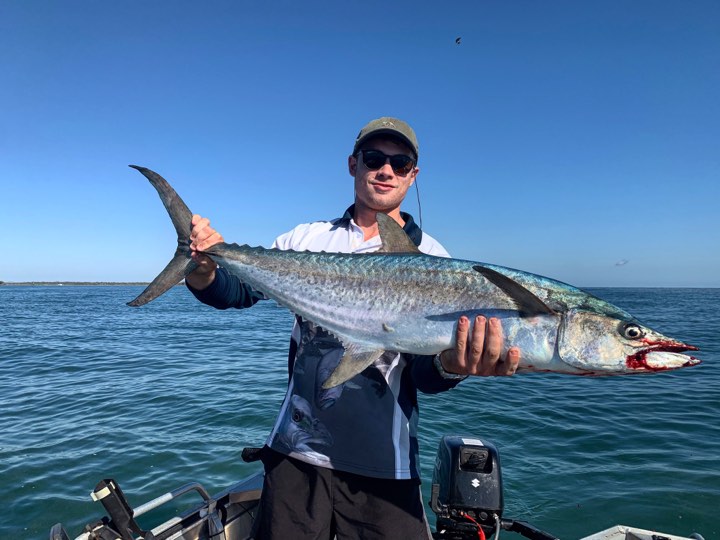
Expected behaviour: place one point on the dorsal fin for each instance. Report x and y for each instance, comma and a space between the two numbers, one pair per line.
394, 239
527, 302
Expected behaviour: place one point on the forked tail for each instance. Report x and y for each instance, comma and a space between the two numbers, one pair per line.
181, 264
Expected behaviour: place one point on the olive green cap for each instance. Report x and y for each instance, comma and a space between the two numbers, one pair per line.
388, 126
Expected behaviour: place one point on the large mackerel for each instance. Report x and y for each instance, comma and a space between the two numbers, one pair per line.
402, 300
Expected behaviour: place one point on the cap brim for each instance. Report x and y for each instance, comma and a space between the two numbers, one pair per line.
393, 133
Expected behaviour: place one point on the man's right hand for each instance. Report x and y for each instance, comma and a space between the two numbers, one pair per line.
480, 352
202, 238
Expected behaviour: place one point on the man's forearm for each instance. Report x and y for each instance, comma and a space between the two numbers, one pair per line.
225, 291
200, 281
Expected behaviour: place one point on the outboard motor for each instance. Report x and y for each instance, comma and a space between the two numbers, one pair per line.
466, 487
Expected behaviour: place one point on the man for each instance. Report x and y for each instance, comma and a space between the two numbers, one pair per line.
344, 461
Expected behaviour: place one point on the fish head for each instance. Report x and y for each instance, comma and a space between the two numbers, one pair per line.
601, 344
301, 428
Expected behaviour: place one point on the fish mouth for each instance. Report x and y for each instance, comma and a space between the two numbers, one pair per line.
662, 356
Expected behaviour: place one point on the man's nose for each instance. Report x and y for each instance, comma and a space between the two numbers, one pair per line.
386, 169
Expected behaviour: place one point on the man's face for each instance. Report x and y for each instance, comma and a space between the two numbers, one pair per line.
383, 189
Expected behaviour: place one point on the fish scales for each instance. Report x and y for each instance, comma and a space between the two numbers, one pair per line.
414, 299
413, 295
332, 291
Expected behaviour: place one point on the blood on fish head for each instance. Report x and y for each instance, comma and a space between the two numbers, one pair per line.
661, 355
601, 344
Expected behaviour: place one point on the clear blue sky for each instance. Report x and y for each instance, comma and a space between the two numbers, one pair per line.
577, 140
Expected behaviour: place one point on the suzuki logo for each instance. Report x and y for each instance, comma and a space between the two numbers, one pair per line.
475, 482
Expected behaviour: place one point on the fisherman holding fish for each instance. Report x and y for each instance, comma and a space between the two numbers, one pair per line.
344, 459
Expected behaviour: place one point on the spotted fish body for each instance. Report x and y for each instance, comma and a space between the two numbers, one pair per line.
399, 302
402, 300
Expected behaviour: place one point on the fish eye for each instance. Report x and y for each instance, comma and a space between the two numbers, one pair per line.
297, 416
631, 331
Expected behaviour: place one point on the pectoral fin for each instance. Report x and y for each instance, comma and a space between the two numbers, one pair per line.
353, 362
528, 304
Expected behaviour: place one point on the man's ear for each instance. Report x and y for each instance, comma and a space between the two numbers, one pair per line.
352, 165
415, 172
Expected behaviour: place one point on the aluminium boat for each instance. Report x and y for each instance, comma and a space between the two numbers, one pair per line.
466, 497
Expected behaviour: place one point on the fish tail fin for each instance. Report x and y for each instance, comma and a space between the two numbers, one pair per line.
181, 264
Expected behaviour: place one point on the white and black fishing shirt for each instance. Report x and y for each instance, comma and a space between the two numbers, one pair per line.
368, 425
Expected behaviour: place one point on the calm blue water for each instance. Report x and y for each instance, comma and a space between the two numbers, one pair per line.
159, 396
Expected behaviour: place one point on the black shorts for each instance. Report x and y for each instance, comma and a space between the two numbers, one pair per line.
304, 502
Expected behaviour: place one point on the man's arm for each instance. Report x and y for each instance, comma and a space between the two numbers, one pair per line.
226, 291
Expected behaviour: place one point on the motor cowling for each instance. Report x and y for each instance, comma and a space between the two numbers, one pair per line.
467, 481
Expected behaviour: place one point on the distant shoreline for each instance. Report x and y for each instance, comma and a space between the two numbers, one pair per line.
71, 283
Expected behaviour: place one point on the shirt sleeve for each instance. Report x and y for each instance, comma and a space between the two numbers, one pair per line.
431, 246
426, 377
226, 291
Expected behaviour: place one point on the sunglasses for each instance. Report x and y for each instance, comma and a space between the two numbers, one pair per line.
400, 163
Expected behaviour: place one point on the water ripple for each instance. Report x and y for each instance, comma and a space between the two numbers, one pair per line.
159, 396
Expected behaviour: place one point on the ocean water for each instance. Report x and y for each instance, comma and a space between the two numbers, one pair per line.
171, 393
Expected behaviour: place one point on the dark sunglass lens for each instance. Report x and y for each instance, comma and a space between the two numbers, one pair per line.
373, 159
401, 164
